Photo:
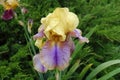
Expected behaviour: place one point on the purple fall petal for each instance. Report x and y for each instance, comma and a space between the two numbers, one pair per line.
78, 33
37, 64
55, 55
40, 34
8, 14
71, 43
83, 39
72, 46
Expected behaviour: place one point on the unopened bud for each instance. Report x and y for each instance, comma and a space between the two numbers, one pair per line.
30, 23
21, 23
24, 10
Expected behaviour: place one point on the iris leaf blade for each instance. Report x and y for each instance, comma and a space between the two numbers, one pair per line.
110, 74
100, 68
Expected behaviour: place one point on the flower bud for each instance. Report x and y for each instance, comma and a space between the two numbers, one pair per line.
21, 23
30, 23
24, 10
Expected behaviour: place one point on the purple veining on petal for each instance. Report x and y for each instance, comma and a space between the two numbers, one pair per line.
37, 64
71, 43
47, 55
8, 14
56, 61
72, 46
63, 56
55, 55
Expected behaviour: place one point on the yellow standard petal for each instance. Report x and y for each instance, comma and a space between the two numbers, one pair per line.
1, 2
59, 23
10, 4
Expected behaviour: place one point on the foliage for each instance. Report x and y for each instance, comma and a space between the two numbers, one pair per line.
99, 19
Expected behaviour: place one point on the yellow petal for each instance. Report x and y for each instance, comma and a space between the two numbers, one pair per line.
72, 21
1, 2
59, 23
39, 43
10, 4
13, 3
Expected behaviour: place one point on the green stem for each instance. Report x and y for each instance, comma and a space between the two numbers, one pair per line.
58, 75
32, 46
30, 41
41, 76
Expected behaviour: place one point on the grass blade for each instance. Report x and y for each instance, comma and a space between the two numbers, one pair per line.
101, 67
78, 46
110, 74
82, 74
73, 68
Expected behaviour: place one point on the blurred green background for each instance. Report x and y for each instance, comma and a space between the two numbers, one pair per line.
104, 45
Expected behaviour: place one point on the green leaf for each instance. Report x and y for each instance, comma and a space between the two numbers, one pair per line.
4, 49
82, 74
100, 68
78, 46
110, 74
73, 68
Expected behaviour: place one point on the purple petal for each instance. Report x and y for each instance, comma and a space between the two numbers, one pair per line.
37, 64
8, 14
71, 43
40, 33
55, 55
78, 33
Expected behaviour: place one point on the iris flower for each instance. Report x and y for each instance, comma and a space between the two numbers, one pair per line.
9, 6
54, 40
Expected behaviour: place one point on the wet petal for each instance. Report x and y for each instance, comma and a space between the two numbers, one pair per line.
8, 14
78, 33
55, 55
37, 64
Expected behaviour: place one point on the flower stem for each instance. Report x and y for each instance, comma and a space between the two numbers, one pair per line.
58, 75
29, 40
41, 76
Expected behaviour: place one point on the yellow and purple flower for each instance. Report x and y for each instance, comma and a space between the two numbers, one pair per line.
54, 40
9, 6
